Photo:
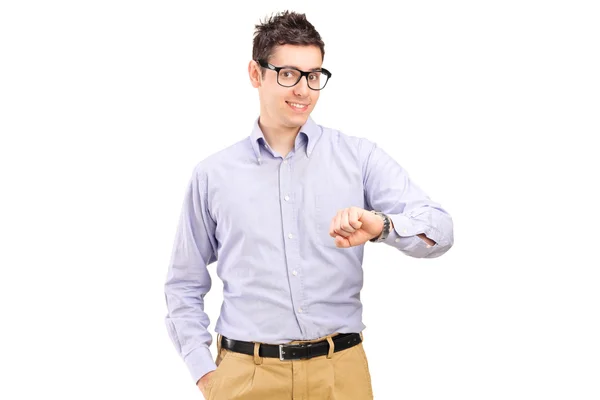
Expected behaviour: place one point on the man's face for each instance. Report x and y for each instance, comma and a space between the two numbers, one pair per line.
289, 107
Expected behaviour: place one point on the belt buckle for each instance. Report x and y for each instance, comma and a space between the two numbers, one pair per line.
287, 347
296, 346
281, 353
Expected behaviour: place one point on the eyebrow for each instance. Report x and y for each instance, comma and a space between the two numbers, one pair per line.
293, 66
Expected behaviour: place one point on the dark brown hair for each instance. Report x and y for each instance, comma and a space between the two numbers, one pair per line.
284, 28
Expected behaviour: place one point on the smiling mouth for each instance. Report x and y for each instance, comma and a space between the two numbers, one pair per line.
297, 106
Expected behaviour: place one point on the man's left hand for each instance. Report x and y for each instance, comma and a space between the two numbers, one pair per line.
354, 226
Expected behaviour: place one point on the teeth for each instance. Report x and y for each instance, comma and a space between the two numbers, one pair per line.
298, 105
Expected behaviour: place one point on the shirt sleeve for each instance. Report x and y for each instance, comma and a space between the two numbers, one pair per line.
188, 280
388, 189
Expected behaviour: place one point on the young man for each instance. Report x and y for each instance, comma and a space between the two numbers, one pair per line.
287, 212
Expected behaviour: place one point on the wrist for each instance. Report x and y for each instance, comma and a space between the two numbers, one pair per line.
385, 231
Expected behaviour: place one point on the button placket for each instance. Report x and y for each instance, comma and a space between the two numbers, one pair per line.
292, 237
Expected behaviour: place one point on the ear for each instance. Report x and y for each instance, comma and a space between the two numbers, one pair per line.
254, 72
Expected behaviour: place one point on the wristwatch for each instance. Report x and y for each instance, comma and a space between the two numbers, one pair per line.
386, 227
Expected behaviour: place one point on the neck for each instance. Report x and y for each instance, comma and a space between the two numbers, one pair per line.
280, 138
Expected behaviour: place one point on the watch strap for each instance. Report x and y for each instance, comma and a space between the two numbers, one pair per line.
386, 227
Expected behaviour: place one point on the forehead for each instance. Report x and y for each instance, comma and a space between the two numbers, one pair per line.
302, 57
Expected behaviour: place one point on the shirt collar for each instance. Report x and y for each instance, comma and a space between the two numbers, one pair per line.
310, 129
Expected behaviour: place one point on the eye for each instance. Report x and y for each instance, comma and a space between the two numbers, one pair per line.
288, 74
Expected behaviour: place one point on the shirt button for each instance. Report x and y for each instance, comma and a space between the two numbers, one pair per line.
285, 161
294, 272
300, 310
404, 231
291, 236
398, 240
258, 159
287, 198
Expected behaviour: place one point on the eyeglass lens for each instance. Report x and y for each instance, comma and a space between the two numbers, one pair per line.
289, 77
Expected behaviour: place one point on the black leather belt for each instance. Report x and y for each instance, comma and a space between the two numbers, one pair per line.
341, 342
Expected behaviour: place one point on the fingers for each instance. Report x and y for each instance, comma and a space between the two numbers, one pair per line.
345, 223
342, 242
332, 228
337, 224
353, 218
335, 228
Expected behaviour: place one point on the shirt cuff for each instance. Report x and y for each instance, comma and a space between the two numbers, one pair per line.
404, 234
200, 362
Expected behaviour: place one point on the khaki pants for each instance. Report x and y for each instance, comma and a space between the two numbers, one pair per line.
337, 376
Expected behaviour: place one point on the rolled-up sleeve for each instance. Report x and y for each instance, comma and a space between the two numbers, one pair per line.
389, 189
188, 279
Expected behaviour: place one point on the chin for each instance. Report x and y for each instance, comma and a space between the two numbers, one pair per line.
296, 122
300, 119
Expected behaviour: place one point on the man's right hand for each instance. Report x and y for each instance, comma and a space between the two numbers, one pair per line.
203, 384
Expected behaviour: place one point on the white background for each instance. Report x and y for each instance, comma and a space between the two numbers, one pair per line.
492, 107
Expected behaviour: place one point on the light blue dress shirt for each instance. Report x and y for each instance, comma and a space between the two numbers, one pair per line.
266, 219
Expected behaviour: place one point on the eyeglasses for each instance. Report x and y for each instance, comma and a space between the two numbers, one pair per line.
289, 76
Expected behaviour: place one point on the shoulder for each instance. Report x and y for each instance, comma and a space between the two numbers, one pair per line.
348, 140
221, 159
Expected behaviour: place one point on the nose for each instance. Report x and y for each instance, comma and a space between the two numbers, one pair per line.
301, 89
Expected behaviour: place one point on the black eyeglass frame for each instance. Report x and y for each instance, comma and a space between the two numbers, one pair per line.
323, 71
